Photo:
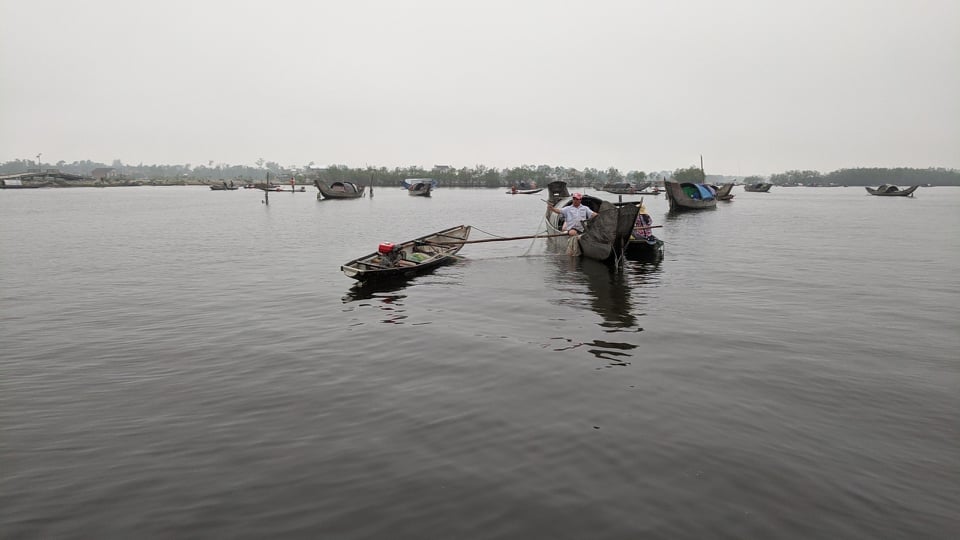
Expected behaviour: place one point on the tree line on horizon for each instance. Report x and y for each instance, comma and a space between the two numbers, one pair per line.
480, 175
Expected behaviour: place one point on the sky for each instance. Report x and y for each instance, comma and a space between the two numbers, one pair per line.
754, 86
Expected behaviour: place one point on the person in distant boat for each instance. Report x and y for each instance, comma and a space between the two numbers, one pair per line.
642, 227
573, 215
513, 189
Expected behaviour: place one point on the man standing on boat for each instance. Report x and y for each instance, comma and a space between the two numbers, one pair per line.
573, 215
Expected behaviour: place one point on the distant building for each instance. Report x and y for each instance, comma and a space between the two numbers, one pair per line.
104, 172
442, 168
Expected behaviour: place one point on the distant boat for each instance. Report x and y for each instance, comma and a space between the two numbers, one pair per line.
267, 187
223, 187
409, 258
689, 196
419, 187
339, 190
759, 187
625, 188
16, 183
889, 190
524, 191
724, 191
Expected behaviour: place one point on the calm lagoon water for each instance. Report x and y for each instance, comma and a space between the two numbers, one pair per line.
183, 363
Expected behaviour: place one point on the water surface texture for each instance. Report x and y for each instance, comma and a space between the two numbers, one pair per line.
183, 363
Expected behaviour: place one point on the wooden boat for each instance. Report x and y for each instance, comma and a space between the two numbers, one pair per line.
223, 187
339, 190
423, 186
724, 191
619, 188
419, 187
409, 258
604, 237
644, 249
889, 190
759, 187
689, 196
420, 190
558, 191
524, 191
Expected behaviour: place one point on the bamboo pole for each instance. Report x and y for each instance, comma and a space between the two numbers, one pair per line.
496, 239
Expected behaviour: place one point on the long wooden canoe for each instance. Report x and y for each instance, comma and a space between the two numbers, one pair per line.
887, 190
409, 258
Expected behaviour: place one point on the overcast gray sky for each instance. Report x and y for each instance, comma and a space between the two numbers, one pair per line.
755, 86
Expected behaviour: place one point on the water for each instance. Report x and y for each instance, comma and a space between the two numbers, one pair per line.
182, 363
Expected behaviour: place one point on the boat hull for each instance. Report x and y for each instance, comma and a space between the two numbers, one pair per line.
339, 190
679, 200
892, 191
644, 250
419, 190
724, 192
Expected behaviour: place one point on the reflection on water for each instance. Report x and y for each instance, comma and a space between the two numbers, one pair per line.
612, 351
366, 291
384, 296
605, 289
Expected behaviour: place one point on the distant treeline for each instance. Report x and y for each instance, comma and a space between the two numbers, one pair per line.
478, 176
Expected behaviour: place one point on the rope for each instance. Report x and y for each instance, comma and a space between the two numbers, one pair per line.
540, 227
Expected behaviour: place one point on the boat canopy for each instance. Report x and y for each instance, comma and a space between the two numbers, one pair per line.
698, 191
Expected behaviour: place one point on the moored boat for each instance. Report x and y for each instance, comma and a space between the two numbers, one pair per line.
419, 187
339, 190
624, 188
889, 190
515, 191
759, 187
724, 191
223, 187
392, 261
689, 196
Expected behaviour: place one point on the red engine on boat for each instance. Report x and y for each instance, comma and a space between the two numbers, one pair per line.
385, 247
